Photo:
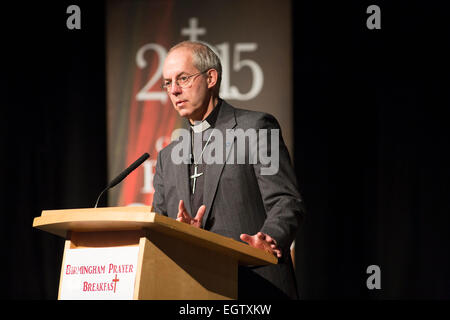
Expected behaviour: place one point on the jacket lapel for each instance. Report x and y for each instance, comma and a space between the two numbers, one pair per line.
225, 120
182, 174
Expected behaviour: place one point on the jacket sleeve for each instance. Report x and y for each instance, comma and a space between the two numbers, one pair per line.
277, 184
159, 205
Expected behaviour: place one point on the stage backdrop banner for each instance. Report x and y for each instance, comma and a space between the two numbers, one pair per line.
253, 40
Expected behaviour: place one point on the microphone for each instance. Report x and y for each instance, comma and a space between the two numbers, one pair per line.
124, 174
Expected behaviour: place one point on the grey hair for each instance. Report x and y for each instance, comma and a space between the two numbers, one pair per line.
204, 58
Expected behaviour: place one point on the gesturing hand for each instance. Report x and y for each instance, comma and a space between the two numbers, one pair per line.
184, 216
262, 241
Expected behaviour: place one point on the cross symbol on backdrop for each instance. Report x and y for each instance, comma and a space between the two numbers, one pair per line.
193, 31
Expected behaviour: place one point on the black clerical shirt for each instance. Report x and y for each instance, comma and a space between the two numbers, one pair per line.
197, 196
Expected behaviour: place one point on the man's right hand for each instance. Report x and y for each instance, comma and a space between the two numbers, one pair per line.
184, 216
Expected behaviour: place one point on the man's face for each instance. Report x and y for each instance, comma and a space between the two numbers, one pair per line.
192, 101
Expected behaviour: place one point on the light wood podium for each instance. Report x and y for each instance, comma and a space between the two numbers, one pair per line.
175, 260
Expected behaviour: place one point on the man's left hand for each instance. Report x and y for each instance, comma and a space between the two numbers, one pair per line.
262, 241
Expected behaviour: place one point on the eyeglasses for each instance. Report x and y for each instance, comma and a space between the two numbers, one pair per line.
182, 81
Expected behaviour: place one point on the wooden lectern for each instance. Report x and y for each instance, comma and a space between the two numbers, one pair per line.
174, 260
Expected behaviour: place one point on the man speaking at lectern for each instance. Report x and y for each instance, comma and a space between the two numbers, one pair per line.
247, 201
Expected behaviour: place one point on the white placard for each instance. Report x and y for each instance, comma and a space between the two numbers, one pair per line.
99, 273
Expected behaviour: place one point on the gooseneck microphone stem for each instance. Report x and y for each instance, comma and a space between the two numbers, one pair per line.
124, 174
101, 193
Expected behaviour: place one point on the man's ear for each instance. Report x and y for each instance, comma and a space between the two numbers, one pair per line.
212, 76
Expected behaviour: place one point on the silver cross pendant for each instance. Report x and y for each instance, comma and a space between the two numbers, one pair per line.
195, 176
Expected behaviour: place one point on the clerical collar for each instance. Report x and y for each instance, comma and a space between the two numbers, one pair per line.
200, 126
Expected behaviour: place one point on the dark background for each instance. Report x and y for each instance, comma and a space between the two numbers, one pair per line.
371, 139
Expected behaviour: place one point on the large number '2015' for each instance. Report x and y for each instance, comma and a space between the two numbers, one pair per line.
227, 91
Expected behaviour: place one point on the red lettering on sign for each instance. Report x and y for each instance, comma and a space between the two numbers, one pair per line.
115, 282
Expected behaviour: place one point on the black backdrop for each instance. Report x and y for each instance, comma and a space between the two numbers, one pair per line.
371, 139
371, 149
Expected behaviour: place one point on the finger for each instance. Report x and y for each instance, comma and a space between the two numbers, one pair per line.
270, 239
245, 237
182, 212
186, 215
181, 206
261, 236
200, 213
180, 209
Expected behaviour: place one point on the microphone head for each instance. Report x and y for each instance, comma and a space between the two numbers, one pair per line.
128, 170
123, 174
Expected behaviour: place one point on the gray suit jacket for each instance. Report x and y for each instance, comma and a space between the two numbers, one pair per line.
240, 200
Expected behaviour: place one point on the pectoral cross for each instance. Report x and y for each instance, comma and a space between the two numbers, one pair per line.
195, 176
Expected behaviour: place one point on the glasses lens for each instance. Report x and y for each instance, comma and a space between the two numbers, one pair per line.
184, 81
